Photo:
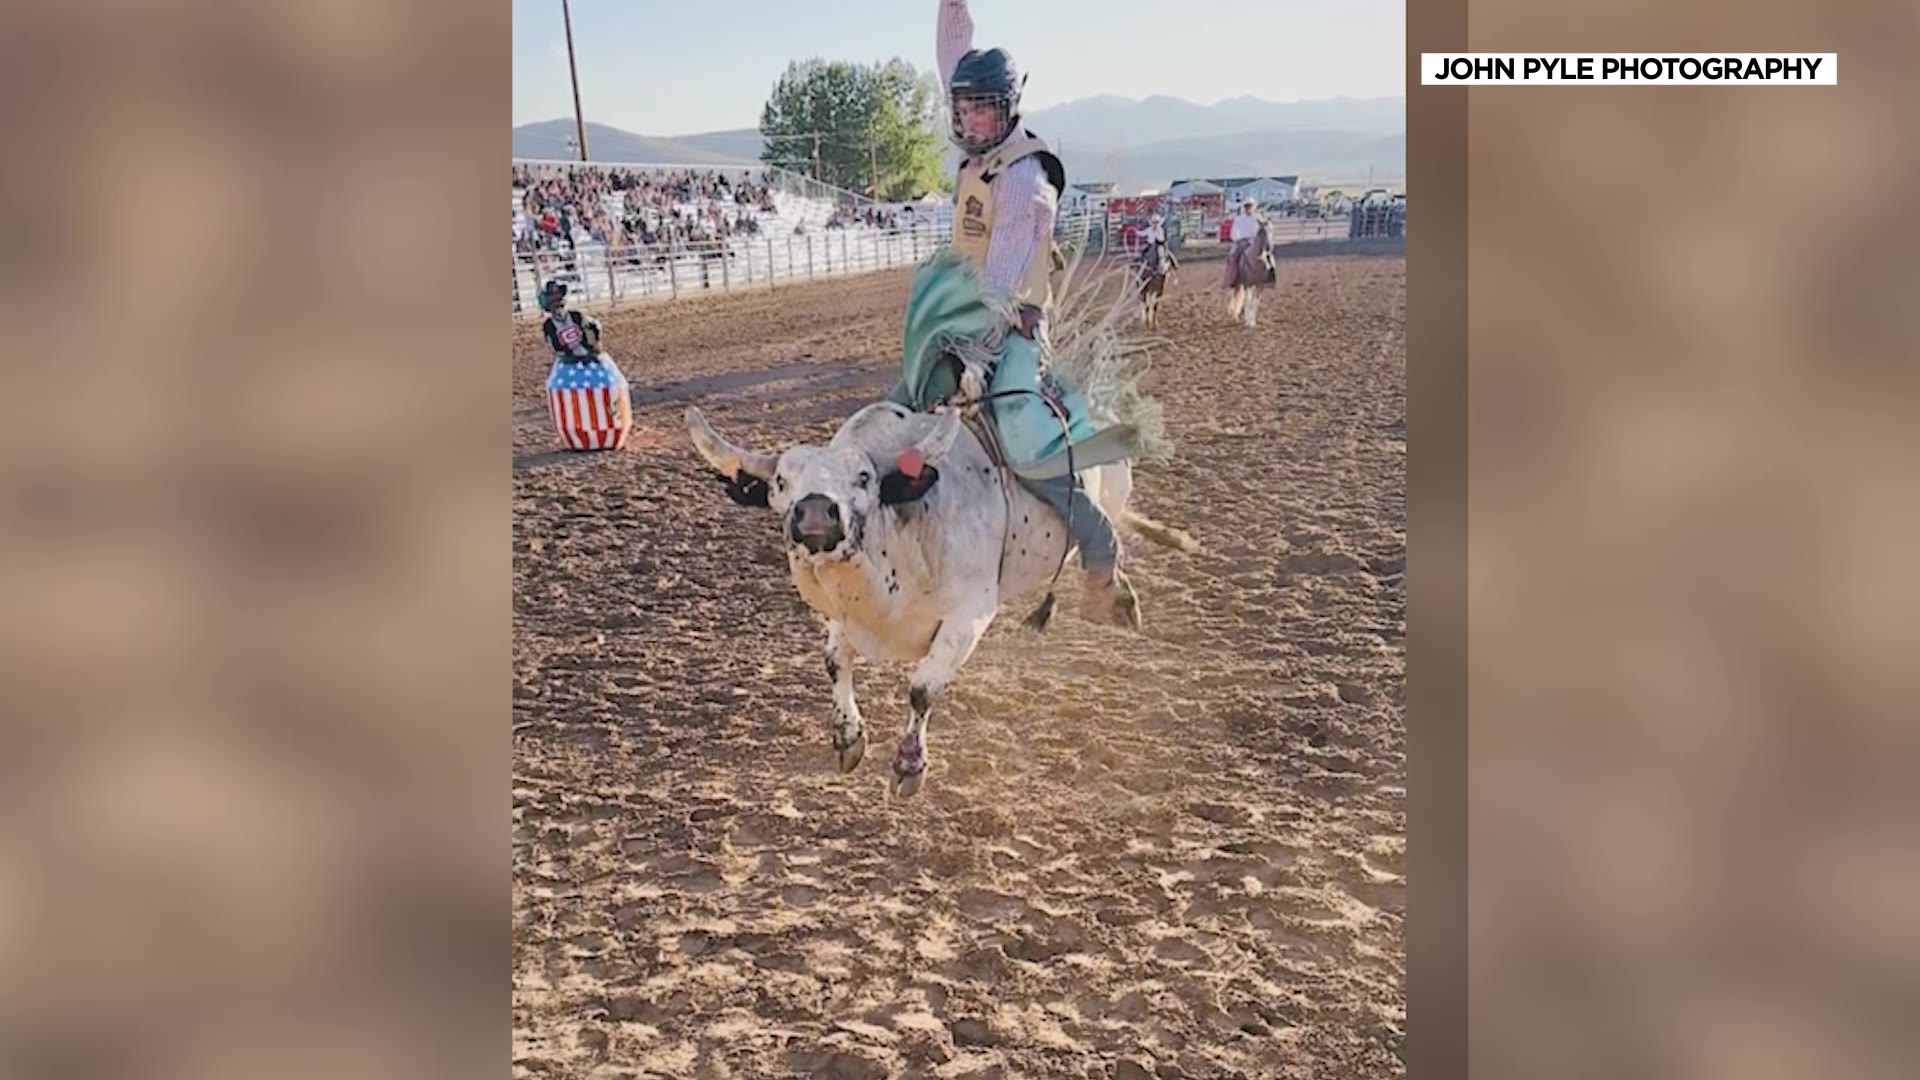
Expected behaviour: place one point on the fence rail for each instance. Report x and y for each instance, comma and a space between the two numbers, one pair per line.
597, 275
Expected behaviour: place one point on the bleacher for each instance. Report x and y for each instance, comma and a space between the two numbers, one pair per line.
798, 239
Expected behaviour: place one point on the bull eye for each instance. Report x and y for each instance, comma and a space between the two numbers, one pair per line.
866, 479
780, 482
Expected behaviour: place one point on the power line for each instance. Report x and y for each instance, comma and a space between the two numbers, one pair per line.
871, 144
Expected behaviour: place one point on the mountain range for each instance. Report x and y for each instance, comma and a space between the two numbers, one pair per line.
1133, 143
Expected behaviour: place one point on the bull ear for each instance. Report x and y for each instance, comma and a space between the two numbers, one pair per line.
897, 487
913, 473
748, 490
745, 472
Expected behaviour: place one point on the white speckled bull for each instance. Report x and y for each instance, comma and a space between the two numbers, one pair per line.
907, 539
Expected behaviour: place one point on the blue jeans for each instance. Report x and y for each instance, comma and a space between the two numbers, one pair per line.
1099, 548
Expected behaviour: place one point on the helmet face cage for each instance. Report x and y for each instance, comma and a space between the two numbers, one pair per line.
984, 79
553, 295
1007, 105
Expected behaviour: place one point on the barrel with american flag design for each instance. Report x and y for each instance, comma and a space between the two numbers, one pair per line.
590, 403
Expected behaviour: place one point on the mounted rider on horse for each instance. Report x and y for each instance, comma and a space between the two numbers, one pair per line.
1249, 263
1151, 266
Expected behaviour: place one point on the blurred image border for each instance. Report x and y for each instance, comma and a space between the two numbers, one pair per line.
1436, 680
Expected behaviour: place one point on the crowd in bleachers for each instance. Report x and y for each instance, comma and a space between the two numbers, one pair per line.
874, 216
624, 209
648, 229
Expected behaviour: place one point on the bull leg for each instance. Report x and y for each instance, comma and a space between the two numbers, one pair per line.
849, 734
952, 645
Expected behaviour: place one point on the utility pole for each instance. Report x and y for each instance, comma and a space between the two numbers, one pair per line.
873, 155
579, 118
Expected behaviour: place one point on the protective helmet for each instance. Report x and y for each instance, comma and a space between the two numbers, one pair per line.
989, 77
553, 295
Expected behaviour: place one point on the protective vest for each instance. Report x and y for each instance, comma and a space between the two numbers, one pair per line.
973, 213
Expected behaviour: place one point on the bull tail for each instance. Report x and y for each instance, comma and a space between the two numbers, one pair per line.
1164, 535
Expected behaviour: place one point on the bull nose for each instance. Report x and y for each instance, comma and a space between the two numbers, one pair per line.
815, 522
815, 512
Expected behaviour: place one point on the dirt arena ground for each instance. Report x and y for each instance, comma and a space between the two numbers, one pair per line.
1171, 855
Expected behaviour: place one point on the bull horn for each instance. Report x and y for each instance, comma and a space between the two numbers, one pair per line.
731, 460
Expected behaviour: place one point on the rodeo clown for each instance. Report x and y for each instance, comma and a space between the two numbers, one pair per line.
587, 395
1005, 200
570, 334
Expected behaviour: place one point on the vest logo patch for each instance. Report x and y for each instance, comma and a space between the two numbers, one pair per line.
973, 225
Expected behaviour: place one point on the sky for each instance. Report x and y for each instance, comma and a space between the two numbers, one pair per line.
678, 67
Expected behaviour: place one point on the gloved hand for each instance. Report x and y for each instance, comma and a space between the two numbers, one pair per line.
973, 385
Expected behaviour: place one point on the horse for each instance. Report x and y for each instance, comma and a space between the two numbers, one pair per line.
1249, 269
1152, 268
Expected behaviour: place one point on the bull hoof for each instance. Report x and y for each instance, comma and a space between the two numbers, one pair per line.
905, 785
850, 755
1127, 607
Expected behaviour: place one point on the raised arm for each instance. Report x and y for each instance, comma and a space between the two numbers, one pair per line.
952, 36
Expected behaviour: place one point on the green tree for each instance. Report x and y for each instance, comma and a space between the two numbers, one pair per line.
849, 124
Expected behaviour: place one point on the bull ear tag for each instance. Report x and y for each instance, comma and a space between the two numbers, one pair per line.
911, 478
